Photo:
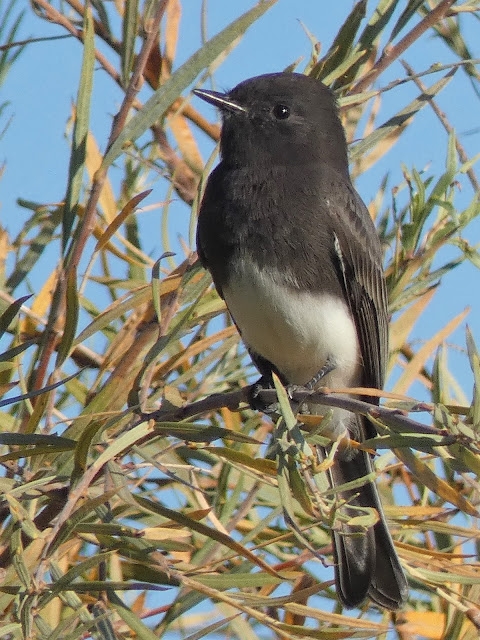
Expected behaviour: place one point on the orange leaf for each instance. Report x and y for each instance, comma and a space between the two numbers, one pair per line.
418, 362
40, 305
403, 325
427, 624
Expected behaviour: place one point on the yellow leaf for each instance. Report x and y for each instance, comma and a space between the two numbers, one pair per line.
193, 350
173, 13
186, 143
427, 624
417, 511
40, 305
164, 533
93, 161
383, 147
403, 325
419, 360
120, 219
438, 486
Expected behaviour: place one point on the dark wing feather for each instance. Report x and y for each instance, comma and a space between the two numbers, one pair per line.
368, 563
360, 255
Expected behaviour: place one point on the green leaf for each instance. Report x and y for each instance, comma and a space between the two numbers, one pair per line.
44, 222
342, 44
238, 580
7, 356
39, 392
201, 433
262, 465
9, 55
130, 618
115, 311
80, 130
87, 508
129, 32
10, 313
474, 359
406, 15
21, 439
65, 581
203, 529
71, 319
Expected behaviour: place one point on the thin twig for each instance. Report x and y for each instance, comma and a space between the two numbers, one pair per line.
56, 17
391, 53
81, 353
21, 43
353, 99
213, 130
97, 25
135, 83
50, 338
446, 125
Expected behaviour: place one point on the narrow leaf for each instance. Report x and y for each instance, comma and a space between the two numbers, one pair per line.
9, 314
80, 131
71, 318
406, 15
399, 119
129, 31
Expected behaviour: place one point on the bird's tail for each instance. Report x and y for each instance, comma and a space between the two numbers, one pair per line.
366, 563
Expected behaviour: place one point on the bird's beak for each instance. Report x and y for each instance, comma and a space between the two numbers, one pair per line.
220, 100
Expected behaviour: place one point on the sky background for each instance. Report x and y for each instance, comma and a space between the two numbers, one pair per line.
43, 84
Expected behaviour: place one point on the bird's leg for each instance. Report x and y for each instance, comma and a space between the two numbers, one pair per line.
265, 382
300, 404
327, 368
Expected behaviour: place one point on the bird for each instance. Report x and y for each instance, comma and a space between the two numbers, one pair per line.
295, 255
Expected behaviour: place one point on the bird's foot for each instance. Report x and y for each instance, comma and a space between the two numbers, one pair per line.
256, 401
265, 382
295, 389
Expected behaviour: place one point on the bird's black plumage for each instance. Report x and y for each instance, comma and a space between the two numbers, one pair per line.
293, 251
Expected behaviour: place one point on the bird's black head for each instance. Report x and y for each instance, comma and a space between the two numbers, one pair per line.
280, 118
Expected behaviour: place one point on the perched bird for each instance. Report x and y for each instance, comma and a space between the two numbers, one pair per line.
294, 253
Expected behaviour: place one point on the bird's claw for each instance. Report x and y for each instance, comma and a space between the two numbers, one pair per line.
256, 401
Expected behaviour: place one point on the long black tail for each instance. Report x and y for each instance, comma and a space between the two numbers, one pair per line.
366, 563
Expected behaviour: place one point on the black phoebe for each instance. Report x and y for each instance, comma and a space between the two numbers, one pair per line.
294, 253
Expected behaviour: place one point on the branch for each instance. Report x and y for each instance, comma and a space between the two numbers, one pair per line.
395, 418
52, 15
443, 119
391, 53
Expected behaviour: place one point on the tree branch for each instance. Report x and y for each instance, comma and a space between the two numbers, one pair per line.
397, 419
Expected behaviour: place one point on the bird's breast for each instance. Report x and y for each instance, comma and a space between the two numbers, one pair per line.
294, 329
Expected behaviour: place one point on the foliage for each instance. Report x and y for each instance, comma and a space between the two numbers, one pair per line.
138, 497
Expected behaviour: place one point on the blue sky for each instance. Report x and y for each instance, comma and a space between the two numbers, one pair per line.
43, 84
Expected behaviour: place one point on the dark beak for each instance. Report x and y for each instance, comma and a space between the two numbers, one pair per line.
220, 100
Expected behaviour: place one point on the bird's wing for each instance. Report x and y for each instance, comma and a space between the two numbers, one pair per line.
360, 266
213, 241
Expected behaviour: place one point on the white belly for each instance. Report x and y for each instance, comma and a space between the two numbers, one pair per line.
294, 330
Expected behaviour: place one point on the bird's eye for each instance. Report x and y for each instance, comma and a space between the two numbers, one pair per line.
281, 111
